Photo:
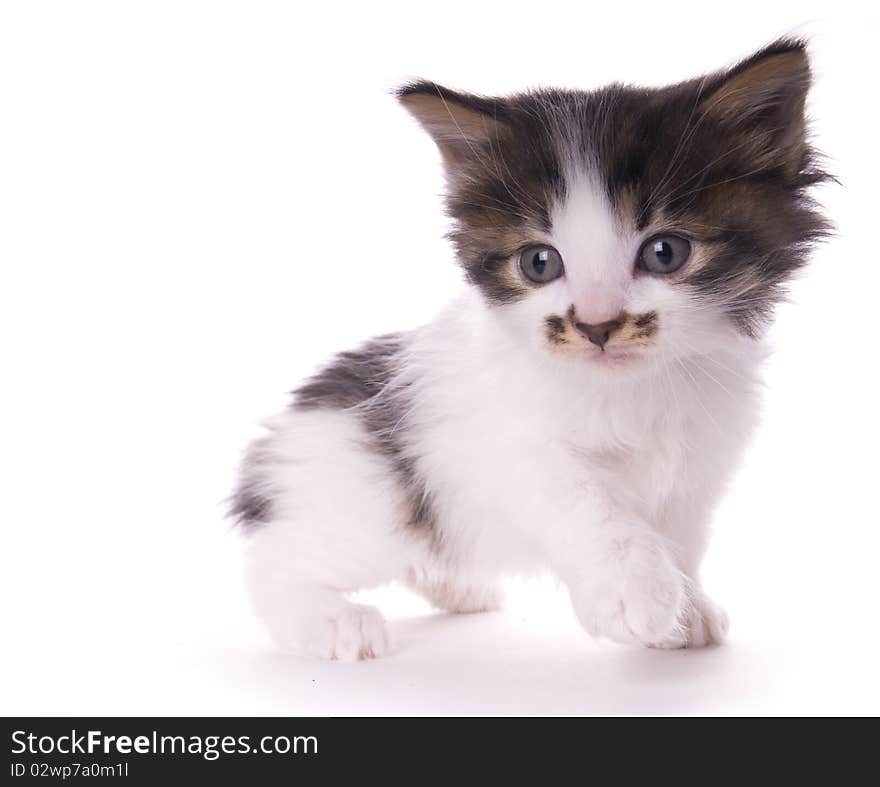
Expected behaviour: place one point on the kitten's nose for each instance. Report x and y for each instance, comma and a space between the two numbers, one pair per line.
600, 332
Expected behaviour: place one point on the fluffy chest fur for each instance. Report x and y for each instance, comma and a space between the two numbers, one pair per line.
503, 442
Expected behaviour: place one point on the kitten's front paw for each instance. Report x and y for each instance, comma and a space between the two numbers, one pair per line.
638, 595
704, 623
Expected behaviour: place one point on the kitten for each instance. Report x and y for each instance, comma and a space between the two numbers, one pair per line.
583, 404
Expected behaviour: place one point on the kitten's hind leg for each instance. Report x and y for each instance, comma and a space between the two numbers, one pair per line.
333, 525
321, 623
310, 619
454, 595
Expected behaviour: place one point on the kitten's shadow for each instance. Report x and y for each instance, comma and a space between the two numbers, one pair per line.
490, 663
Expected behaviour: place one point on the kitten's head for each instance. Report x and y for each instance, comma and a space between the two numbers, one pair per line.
629, 223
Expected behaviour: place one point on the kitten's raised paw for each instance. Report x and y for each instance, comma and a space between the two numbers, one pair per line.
638, 597
704, 623
351, 633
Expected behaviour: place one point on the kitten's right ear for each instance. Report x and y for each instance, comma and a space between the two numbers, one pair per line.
461, 124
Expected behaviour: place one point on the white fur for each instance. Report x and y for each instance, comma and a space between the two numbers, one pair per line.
592, 247
605, 474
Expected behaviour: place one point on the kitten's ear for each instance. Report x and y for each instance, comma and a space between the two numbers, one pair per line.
461, 124
763, 97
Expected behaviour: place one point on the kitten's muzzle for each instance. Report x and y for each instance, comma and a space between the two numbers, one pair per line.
599, 333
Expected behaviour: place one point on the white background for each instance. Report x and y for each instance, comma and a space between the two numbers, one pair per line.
199, 202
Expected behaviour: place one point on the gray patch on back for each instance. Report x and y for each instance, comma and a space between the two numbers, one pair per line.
353, 377
363, 381
251, 503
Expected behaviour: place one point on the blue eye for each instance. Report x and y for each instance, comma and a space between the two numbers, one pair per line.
541, 264
664, 254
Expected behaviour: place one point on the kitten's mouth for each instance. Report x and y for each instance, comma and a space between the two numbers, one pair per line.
612, 357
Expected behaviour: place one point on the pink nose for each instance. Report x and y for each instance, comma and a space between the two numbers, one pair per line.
599, 333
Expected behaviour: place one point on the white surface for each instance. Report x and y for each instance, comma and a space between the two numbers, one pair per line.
199, 202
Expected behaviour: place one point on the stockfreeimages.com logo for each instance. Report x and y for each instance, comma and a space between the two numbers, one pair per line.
210, 747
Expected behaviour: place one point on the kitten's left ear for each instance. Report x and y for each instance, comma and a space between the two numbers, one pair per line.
764, 97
